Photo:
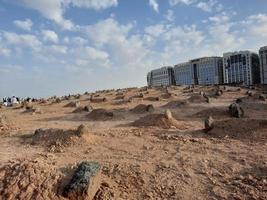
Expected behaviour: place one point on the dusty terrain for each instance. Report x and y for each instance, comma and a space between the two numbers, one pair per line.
143, 154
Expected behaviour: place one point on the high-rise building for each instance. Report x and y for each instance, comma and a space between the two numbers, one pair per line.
161, 77
202, 71
241, 67
184, 74
263, 64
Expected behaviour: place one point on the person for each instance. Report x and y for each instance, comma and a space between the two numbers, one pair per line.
4, 102
14, 100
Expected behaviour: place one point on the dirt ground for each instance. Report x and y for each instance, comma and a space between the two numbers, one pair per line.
142, 154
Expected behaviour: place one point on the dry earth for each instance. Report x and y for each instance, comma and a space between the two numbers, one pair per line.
143, 154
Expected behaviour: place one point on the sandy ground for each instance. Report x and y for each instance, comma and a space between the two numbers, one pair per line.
139, 160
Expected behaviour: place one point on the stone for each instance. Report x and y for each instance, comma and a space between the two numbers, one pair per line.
84, 183
150, 108
218, 92
81, 130
249, 93
208, 124
58, 100
88, 108
238, 100
75, 104
236, 110
168, 114
262, 97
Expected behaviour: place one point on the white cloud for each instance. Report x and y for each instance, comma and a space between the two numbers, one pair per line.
60, 49
170, 16
78, 41
50, 9
207, 5
49, 35
175, 2
154, 4
4, 51
94, 4
25, 40
54, 9
8, 68
257, 25
155, 30
100, 33
26, 24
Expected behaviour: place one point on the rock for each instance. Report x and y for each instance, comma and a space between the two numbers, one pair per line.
84, 183
88, 108
218, 92
150, 108
209, 124
81, 130
249, 93
262, 97
206, 98
236, 110
168, 114
238, 100
58, 100
75, 104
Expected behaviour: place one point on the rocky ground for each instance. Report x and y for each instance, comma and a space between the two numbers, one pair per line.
151, 143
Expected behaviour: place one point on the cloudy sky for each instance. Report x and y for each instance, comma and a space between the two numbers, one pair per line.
50, 47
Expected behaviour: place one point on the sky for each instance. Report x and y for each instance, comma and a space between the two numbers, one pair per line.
60, 47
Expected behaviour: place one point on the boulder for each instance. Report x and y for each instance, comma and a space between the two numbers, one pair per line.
249, 93
168, 114
85, 182
81, 130
208, 124
262, 97
88, 108
150, 108
238, 100
75, 104
236, 110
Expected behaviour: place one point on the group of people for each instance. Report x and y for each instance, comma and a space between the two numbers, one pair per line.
10, 101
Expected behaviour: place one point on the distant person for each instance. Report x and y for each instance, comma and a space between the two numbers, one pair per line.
14, 100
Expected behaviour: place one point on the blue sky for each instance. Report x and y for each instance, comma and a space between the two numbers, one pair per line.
57, 47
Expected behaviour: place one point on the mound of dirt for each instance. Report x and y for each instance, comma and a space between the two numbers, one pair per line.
152, 99
73, 104
197, 98
166, 96
29, 180
56, 140
5, 124
176, 104
83, 109
165, 121
239, 128
98, 100
142, 108
119, 97
100, 114
33, 109
215, 112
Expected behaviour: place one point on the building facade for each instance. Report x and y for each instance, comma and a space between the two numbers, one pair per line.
184, 74
161, 77
241, 67
263, 64
200, 71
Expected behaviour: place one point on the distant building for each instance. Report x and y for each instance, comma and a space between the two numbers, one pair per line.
200, 71
161, 77
184, 74
241, 67
263, 64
